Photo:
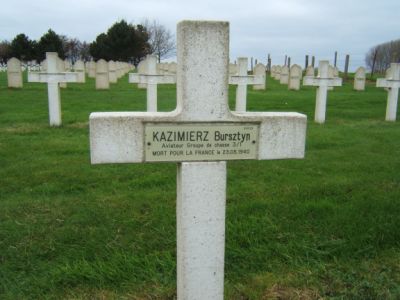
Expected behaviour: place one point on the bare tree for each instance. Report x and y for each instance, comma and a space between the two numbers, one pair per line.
379, 57
161, 40
5, 51
85, 51
72, 48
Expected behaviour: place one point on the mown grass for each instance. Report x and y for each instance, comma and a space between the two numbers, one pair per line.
323, 227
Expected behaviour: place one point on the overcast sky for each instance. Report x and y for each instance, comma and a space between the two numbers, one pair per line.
292, 27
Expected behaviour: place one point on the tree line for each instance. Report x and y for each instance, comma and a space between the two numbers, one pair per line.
379, 57
123, 42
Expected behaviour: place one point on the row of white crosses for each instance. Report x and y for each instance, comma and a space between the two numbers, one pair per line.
150, 78
325, 81
293, 76
53, 77
202, 115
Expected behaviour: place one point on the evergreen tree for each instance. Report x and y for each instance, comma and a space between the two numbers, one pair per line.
50, 42
5, 51
22, 47
123, 42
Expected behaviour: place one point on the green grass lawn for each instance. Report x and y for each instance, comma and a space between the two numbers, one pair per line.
325, 227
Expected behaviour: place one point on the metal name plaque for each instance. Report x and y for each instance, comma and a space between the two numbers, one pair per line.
200, 141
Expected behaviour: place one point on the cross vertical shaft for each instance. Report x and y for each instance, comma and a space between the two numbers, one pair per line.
53, 91
324, 81
322, 93
241, 90
201, 230
391, 108
151, 85
201, 186
202, 88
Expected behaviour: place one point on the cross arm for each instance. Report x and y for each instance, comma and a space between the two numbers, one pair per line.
152, 79
120, 137
53, 77
316, 81
247, 79
387, 83
310, 80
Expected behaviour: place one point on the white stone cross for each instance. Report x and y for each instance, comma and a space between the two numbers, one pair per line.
151, 79
200, 134
242, 80
392, 83
53, 78
323, 82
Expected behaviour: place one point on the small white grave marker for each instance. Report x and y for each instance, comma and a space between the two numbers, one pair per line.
259, 70
295, 77
278, 70
323, 82
112, 71
92, 69
53, 78
79, 67
14, 73
151, 79
392, 84
284, 75
359, 79
102, 79
242, 80
310, 71
202, 110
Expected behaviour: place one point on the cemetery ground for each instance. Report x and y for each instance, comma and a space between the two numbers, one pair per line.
323, 227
